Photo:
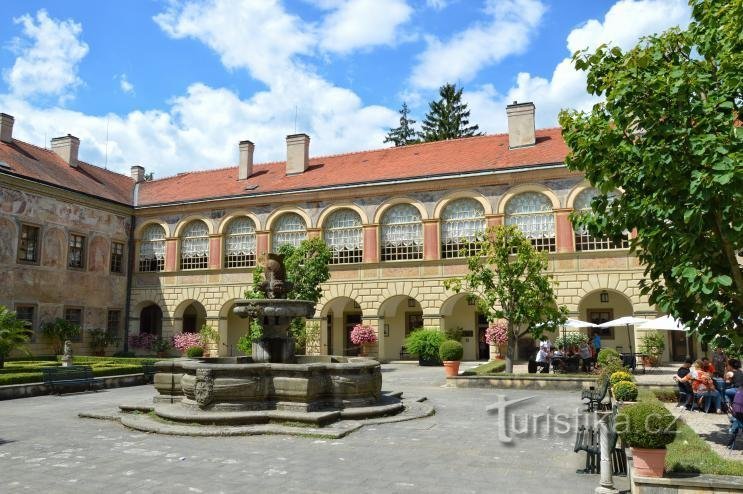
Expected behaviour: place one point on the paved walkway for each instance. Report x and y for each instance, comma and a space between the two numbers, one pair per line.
45, 447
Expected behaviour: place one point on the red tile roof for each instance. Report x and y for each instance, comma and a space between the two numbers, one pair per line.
46, 166
420, 160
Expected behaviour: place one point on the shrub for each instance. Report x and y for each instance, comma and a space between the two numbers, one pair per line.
194, 352
497, 333
647, 425
451, 350
160, 345
255, 333
184, 341
361, 335
456, 333
209, 334
142, 340
620, 376
625, 391
571, 340
653, 343
605, 354
59, 331
99, 339
122, 353
425, 343
13, 334
613, 364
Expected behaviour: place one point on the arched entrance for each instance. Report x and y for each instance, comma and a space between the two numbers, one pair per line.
231, 329
601, 306
151, 320
192, 316
398, 316
339, 316
459, 312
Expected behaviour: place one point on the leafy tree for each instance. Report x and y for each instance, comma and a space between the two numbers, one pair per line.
307, 268
447, 118
58, 331
14, 334
666, 135
404, 134
508, 275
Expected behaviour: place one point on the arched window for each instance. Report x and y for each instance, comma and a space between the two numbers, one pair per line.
402, 233
239, 243
151, 320
288, 229
344, 236
585, 241
532, 213
461, 221
195, 246
152, 249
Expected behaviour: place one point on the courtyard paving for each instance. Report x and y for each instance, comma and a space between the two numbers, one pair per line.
45, 447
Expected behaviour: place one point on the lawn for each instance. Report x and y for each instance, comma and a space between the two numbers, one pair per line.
29, 371
493, 367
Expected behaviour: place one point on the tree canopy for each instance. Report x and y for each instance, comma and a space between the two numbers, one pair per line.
448, 117
404, 134
667, 135
307, 268
13, 334
508, 276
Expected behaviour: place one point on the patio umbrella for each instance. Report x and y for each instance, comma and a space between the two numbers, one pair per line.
624, 321
667, 323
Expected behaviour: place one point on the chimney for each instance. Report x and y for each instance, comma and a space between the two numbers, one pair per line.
66, 147
138, 174
520, 125
6, 127
297, 153
245, 166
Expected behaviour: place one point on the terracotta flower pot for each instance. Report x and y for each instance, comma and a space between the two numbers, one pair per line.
648, 462
451, 367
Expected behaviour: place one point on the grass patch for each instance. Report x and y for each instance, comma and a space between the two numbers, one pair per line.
29, 371
493, 367
689, 453
539, 375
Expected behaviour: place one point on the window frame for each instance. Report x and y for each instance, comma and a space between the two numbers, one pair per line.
117, 333
83, 251
453, 249
542, 243
584, 241
250, 260
194, 263
401, 252
158, 263
345, 256
37, 260
121, 260
65, 312
34, 317
274, 247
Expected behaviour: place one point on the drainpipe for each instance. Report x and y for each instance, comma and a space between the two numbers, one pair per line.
129, 276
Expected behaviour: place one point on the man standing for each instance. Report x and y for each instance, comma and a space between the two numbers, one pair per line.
597, 342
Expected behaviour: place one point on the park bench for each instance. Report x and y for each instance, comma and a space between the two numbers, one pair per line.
148, 369
77, 376
588, 439
595, 396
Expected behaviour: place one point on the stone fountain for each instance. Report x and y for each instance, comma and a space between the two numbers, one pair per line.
272, 385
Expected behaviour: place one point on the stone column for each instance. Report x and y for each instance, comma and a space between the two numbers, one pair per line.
215, 252
371, 243
261, 242
314, 233
493, 220
606, 483
431, 244
171, 253
564, 231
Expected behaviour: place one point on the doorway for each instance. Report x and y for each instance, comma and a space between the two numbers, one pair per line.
679, 344
151, 320
351, 320
483, 349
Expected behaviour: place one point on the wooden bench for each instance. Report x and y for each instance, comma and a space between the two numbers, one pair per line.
77, 376
588, 439
595, 397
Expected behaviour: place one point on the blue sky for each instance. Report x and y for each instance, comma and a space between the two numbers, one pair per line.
177, 85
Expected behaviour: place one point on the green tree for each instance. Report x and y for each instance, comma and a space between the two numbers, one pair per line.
666, 135
447, 118
508, 276
14, 334
404, 134
58, 331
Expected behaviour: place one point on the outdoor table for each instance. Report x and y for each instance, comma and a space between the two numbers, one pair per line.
566, 364
630, 360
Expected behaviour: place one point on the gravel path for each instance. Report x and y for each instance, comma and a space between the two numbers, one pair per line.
713, 428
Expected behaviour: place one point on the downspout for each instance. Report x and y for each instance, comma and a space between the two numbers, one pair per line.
130, 271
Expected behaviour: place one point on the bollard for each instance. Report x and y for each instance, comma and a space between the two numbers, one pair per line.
606, 484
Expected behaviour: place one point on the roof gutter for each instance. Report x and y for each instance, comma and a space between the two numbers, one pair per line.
483, 173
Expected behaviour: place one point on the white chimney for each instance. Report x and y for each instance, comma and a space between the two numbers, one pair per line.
6, 127
66, 147
138, 174
297, 153
245, 166
520, 125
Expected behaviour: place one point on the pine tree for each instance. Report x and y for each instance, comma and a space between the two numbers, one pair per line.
448, 118
404, 134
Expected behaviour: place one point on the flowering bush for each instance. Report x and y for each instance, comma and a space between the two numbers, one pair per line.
497, 333
361, 335
143, 341
184, 341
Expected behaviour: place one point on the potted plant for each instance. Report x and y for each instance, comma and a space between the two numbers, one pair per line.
362, 336
99, 340
497, 336
160, 346
451, 352
195, 352
624, 391
210, 339
647, 428
425, 343
183, 341
59, 331
142, 341
653, 345
620, 376
14, 334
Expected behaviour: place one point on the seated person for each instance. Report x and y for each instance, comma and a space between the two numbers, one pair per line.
702, 385
733, 378
585, 355
683, 383
736, 421
543, 360
708, 367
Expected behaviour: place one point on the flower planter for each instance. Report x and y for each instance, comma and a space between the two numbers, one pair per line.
648, 462
451, 367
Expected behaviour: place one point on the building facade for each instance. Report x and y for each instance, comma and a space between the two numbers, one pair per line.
396, 220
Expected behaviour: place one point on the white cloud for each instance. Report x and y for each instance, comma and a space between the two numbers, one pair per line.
126, 86
356, 24
507, 32
437, 4
47, 59
624, 23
